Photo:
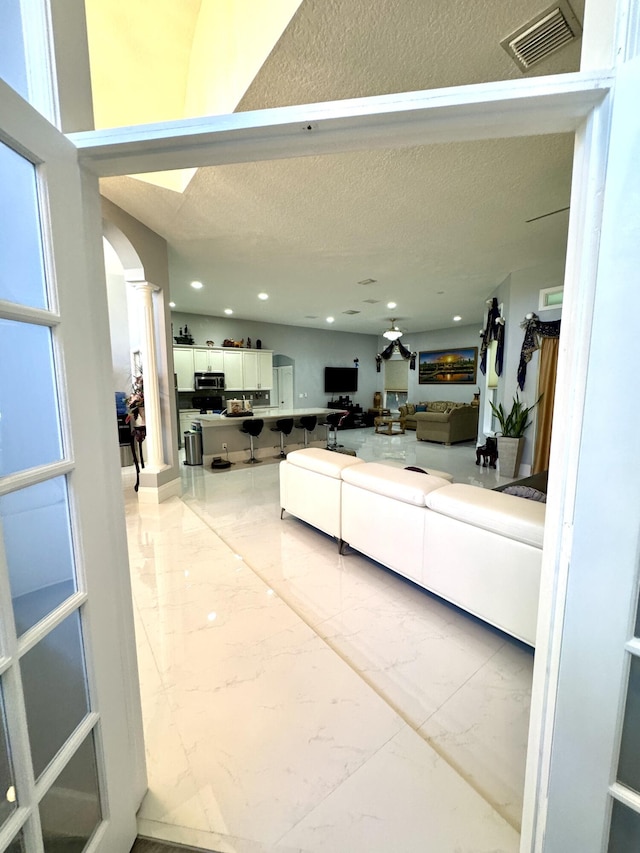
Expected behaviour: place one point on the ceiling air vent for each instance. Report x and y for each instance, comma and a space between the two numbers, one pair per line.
542, 36
350, 311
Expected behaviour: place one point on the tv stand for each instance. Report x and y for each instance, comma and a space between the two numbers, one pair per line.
356, 417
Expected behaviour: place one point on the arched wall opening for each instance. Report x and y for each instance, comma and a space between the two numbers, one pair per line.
140, 344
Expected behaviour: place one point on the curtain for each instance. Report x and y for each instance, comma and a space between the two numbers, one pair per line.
546, 387
396, 375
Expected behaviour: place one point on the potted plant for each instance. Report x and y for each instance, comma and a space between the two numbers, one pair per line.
513, 425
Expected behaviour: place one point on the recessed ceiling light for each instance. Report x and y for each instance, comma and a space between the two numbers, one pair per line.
263, 296
457, 318
330, 319
172, 305
197, 285
392, 304
228, 310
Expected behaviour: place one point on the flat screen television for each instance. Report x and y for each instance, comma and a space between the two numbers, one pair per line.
340, 380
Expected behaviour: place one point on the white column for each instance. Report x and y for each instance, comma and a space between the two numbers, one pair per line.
153, 452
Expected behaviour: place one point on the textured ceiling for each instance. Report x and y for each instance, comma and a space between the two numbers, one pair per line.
438, 227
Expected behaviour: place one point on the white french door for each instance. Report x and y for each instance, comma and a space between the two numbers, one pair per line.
70, 766
590, 798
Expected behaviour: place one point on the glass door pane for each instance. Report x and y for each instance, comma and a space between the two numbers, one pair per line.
41, 568
625, 829
30, 432
629, 760
13, 66
20, 233
70, 810
8, 799
55, 690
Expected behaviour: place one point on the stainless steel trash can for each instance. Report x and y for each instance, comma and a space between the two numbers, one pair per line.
193, 448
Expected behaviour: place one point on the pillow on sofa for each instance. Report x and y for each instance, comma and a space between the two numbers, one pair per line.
411, 409
420, 408
527, 492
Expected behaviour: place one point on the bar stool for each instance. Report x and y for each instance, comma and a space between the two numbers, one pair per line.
284, 427
308, 424
333, 424
252, 427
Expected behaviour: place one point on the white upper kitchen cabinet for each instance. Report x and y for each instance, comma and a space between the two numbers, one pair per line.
250, 370
183, 365
233, 373
265, 371
208, 360
257, 369
244, 370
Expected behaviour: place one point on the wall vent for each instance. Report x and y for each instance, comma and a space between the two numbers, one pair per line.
542, 36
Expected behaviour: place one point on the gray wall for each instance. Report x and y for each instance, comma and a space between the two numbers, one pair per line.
456, 337
308, 350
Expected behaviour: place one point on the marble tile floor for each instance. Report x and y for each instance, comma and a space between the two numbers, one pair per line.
299, 700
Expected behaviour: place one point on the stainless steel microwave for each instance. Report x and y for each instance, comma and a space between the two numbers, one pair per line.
208, 381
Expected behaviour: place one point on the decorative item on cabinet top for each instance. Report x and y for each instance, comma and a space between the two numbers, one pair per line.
184, 337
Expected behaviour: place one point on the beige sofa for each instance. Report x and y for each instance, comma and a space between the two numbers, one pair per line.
443, 421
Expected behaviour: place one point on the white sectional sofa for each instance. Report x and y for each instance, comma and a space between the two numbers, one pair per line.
311, 487
477, 548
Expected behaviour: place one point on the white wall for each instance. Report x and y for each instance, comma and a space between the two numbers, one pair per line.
519, 295
142, 251
118, 320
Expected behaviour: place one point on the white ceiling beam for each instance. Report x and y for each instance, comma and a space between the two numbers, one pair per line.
527, 107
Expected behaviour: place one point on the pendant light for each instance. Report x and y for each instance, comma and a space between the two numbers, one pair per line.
392, 333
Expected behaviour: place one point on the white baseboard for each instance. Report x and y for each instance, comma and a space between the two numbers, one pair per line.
149, 494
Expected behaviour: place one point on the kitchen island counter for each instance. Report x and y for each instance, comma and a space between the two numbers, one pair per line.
219, 429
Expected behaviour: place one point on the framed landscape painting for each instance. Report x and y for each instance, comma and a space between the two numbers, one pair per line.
448, 366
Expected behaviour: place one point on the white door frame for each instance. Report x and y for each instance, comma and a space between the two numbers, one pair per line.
574, 102
577, 103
